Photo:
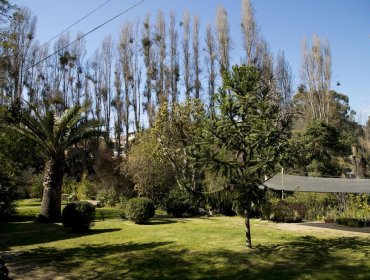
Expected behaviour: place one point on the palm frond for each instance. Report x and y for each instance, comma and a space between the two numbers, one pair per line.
45, 149
42, 124
56, 134
69, 118
82, 131
31, 124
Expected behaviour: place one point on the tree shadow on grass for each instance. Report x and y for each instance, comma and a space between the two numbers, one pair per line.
29, 216
161, 221
22, 234
308, 256
304, 257
99, 260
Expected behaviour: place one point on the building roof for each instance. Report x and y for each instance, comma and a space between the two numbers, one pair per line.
318, 184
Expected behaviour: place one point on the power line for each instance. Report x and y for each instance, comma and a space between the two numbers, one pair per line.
69, 27
84, 35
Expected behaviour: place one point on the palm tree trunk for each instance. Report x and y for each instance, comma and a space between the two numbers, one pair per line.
51, 199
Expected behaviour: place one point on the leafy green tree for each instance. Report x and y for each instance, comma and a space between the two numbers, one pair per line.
322, 147
245, 139
111, 179
7, 190
175, 132
367, 129
16, 149
53, 135
17, 155
315, 150
153, 176
6, 45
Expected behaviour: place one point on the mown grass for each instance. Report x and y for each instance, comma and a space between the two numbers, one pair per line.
191, 248
27, 210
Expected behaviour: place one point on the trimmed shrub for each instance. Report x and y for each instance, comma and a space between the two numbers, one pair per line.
79, 216
178, 203
139, 210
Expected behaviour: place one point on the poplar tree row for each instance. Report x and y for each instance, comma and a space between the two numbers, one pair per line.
158, 60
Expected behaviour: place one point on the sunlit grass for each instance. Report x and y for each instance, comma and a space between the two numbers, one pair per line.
190, 248
27, 209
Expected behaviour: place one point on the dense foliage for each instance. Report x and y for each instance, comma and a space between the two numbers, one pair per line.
19, 160
153, 177
7, 195
315, 150
179, 203
245, 139
79, 216
139, 210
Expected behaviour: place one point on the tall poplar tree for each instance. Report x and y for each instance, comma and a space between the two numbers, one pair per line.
186, 53
147, 49
250, 32
160, 42
210, 60
174, 60
196, 55
223, 38
316, 77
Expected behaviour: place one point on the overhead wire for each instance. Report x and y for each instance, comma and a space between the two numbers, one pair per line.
74, 24
84, 35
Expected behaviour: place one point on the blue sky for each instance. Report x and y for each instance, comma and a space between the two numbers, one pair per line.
283, 23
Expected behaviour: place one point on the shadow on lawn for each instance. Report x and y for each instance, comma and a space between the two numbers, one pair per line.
161, 221
24, 217
304, 257
62, 261
21, 234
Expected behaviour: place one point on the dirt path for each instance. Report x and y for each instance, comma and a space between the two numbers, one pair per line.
326, 228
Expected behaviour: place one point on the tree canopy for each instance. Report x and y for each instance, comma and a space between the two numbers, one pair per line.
246, 138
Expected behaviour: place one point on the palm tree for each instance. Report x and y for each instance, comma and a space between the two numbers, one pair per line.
54, 135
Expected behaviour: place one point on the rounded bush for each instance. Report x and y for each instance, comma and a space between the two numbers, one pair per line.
178, 203
79, 216
176, 207
139, 210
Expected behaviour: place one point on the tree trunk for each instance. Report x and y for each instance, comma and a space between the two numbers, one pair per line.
51, 199
248, 240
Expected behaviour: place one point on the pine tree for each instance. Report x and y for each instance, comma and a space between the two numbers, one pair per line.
246, 110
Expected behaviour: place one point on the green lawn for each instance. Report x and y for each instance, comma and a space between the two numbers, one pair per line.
167, 248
